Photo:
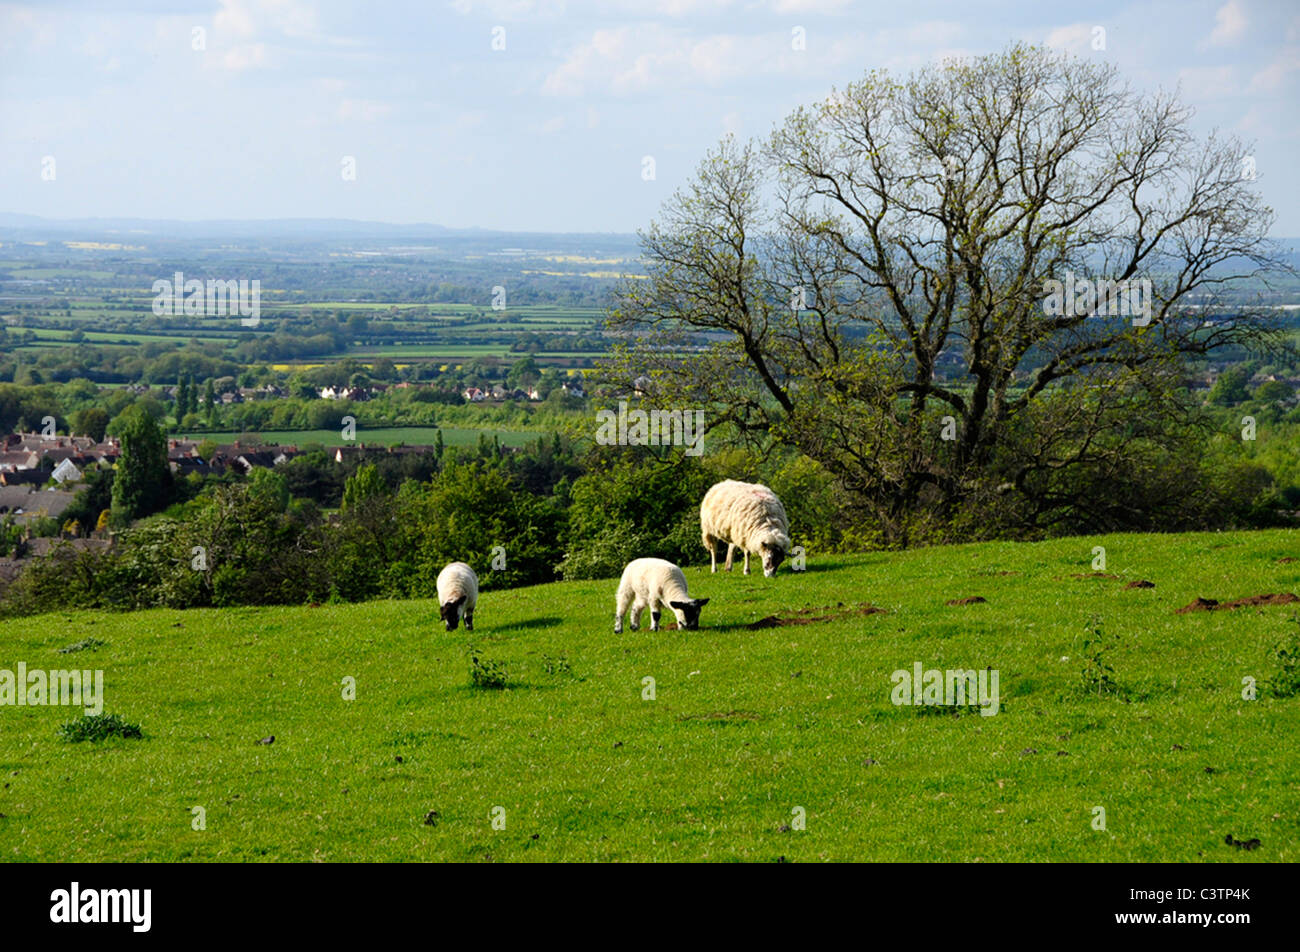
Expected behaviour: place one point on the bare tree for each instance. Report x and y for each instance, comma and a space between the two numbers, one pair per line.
873, 285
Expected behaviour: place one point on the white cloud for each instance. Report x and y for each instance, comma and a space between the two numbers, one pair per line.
363, 110
632, 59
22, 27
247, 56
248, 18
808, 6
1229, 24
509, 9
1075, 38
1272, 77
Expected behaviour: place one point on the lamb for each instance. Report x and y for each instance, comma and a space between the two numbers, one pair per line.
457, 595
748, 516
651, 583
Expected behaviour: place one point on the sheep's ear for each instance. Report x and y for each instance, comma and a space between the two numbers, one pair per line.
458, 602
701, 602
680, 605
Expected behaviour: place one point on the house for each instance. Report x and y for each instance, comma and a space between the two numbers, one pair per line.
182, 449
66, 471
23, 477
474, 395
350, 452
255, 458
29, 504
190, 464
573, 389
15, 460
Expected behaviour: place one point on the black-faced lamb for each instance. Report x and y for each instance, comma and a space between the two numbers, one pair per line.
652, 583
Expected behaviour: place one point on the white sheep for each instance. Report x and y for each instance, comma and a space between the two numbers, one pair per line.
748, 516
651, 583
457, 595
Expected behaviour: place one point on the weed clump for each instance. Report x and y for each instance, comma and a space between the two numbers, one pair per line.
98, 727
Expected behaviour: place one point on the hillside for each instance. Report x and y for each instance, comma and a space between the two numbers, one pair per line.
782, 700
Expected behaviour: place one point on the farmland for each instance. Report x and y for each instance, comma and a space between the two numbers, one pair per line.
449, 303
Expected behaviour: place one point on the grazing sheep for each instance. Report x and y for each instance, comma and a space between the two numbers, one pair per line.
748, 516
457, 595
650, 583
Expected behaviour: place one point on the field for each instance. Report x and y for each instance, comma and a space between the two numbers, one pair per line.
375, 436
771, 734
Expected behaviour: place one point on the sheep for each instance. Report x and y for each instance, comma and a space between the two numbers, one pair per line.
651, 583
748, 516
457, 595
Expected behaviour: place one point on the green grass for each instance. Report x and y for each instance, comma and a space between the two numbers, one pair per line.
747, 725
376, 436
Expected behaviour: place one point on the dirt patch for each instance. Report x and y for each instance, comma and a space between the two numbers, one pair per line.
1286, 560
1209, 604
1093, 575
1279, 598
972, 600
1140, 583
806, 616
1199, 605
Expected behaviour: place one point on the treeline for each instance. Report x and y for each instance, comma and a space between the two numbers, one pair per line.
315, 530
520, 518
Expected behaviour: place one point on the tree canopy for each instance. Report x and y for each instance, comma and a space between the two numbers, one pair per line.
969, 294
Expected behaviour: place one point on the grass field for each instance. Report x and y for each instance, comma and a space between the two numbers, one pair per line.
378, 436
751, 723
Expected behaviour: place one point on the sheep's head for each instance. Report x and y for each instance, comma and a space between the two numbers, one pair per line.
450, 612
688, 613
773, 555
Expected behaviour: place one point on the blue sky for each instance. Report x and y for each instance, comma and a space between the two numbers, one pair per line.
547, 134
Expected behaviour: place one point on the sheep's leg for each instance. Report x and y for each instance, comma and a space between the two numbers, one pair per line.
712, 543
469, 621
746, 561
730, 550
620, 609
635, 618
654, 620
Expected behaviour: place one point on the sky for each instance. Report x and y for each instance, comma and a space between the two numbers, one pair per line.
531, 115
